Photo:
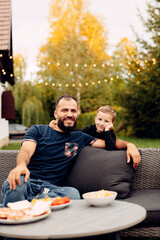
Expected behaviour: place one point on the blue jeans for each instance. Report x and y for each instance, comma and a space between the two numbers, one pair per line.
34, 187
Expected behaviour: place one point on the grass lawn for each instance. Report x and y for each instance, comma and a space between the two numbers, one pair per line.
139, 142
12, 146
143, 142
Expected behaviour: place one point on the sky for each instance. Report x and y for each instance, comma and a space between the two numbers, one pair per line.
31, 27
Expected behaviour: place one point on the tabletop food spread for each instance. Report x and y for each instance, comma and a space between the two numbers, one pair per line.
25, 211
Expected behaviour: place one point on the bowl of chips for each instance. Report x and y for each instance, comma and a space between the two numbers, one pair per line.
100, 198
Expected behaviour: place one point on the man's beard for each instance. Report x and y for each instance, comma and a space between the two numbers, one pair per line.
64, 128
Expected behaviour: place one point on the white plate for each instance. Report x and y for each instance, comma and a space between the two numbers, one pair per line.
57, 207
27, 220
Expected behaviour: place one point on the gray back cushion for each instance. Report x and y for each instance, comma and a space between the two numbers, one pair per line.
96, 169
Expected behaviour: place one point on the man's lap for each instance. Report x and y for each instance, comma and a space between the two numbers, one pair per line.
36, 188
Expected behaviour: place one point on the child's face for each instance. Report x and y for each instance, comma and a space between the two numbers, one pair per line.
102, 120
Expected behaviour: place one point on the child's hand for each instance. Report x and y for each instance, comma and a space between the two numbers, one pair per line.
109, 126
53, 124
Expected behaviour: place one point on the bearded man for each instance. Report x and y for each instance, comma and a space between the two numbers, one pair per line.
46, 156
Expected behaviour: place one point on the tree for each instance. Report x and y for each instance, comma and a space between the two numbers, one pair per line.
142, 95
71, 60
29, 104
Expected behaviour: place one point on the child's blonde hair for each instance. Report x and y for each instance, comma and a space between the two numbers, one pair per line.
107, 109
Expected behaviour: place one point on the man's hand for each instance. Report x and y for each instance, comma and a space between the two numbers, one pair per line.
14, 176
133, 152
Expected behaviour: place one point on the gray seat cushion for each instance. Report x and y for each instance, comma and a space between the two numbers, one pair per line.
96, 169
150, 200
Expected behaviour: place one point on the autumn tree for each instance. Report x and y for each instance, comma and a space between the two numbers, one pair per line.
73, 60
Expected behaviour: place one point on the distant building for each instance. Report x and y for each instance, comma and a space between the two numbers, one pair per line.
7, 110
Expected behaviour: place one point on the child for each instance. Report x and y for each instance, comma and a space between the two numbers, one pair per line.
103, 127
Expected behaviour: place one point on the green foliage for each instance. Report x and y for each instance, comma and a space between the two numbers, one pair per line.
32, 111
86, 119
48, 98
140, 95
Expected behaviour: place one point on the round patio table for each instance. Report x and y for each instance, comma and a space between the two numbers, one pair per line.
79, 219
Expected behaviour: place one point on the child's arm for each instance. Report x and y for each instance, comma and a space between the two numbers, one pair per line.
110, 140
53, 124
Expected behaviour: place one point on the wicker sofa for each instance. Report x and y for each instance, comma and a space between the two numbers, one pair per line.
145, 189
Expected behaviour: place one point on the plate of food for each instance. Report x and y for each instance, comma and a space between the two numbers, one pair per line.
23, 212
55, 203
60, 202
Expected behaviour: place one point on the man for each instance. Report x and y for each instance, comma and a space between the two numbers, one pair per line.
103, 127
46, 155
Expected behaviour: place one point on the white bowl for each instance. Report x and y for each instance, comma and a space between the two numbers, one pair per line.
99, 201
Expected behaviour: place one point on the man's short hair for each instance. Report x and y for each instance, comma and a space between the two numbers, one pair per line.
107, 109
67, 97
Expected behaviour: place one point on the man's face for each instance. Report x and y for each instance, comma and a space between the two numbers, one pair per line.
66, 114
102, 120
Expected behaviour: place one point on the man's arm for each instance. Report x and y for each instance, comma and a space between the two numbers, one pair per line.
23, 159
132, 151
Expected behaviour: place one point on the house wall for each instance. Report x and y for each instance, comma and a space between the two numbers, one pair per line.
4, 125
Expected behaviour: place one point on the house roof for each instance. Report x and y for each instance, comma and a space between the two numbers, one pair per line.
5, 24
6, 61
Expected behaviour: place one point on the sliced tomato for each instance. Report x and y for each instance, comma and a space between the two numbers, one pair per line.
60, 201
66, 199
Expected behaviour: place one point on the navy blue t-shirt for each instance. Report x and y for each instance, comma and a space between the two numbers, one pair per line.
54, 152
